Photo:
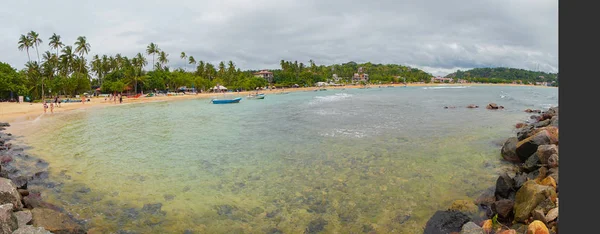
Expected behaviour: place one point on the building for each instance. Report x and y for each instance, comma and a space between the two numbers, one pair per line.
360, 76
461, 81
265, 74
440, 79
335, 78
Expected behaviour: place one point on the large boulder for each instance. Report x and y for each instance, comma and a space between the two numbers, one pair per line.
509, 150
23, 217
529, 145
503, 208
524, 132
542, 123
9, 194
545, 151
55, 222
443, 222
554, 121
471, 228
505, 187
492, 106
529, 197
31, 230
8, 222
532, 163
465, 206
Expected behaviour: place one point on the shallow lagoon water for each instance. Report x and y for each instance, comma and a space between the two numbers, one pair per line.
336, 161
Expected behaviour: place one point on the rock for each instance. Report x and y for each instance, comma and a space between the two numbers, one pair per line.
545, 151
9, 193
532, 163
524, 132
552, 215
316, 226
546, 205
529, 197
444, 222
8, 222
553, 172
538, 214
509, 231
548, 181
486, 198
504, 187
520, 179
465, 206
471, 228
509, 150
542, 123
520, 125
23, 217
553, 161
472, 106
31, 230
23, 192
55, 221
503, 208
554, 121
528, 146
487, 226
492, 106
537, 227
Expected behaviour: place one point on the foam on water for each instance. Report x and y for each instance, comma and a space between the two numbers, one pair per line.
447, 87
330, 98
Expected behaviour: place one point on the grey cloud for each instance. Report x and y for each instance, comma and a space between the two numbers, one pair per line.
433, 35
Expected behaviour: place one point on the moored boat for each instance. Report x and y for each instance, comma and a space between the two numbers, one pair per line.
225, 101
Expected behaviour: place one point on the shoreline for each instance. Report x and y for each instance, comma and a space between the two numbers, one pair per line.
525, 196
14, 112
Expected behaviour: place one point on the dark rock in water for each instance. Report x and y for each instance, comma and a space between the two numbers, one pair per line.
472, 106
55, 222
504, 187
169, 197
401, 219
492, 106
153, 209
487, 198
367, 228
503, 208
273, 213
131, 213
274, 231
9, 194
525, 132
188, 232
83, 189
532, 163
509, 150
8, 222
444, 222
316, 226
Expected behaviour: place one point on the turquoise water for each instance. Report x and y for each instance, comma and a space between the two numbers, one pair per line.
336, 161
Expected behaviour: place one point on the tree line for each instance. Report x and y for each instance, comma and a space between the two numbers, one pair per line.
505, 75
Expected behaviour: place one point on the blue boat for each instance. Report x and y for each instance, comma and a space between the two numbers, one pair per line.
226, 101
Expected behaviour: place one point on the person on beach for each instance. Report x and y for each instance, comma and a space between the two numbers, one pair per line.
51, 107
120, 99
45, 106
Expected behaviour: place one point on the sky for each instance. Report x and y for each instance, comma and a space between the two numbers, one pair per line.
437, 36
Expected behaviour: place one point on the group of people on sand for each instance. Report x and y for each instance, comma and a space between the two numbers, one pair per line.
113, 98
54, 102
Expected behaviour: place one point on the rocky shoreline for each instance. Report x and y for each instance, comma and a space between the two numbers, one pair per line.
22, 210
525, 197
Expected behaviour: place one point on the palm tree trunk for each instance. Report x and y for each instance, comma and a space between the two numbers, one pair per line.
153, 64
38, 54
28, 58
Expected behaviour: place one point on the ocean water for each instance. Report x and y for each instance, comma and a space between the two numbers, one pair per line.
336, 161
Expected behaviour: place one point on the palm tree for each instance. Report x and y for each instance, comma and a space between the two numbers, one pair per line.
183, 56
35, 40
67, 58
82, 48
140, 62
152, 49
55, 42
192, 61
162, 58
25, 43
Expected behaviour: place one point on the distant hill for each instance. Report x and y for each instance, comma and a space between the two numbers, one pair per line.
504, 75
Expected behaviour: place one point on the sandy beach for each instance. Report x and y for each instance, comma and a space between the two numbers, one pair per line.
11, 112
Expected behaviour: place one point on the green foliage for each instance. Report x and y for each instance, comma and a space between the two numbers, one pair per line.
504, 75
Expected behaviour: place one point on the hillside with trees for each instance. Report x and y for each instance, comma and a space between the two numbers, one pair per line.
504, 75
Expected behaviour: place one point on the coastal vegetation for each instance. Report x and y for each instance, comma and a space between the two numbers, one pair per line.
505, 75
65, 70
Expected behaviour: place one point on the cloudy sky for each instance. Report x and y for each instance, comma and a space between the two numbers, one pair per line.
438, 36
